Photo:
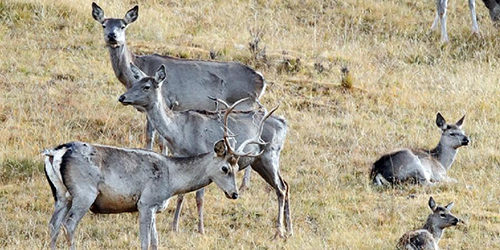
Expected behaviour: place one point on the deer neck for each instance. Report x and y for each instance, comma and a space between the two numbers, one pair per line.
445, 155
190, 174
163, 120
436, 232
121, 57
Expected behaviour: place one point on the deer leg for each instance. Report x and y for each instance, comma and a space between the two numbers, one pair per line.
199, 203
60, 212
163, 145
245, 183
154, 234
268, 168
436, 21
442, 5
177, 214
288, 218
146, 218
494, 8
79, 207
475, 26
150, 135
281, 207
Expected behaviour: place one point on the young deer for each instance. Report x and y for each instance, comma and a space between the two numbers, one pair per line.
108, 179
192, 80
441, 6
191, 132
422, 166
427, 238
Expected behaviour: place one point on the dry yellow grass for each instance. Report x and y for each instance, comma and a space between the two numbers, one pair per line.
57, 85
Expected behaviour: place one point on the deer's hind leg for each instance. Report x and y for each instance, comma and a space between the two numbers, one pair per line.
79, 207
60, 212
268, 168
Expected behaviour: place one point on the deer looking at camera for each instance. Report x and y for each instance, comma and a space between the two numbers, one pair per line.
427, 238
422, 166
191, 132
191, 81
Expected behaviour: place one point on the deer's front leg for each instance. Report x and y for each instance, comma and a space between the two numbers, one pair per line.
199, 203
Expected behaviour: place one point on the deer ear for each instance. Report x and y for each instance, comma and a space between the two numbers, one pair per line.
136, 72
160, 74
449, 206
440, 121
220, 148
460, 122
131, 15
432, 204
97, 13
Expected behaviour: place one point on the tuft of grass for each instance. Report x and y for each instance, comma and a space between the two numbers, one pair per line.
347, 80
18, 170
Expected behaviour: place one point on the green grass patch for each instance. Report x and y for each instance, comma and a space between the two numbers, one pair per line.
13, 170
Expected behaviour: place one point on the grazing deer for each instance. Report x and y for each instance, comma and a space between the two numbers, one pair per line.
422, 166
108, 179
427, 238
191, 81
190, 132
441, 6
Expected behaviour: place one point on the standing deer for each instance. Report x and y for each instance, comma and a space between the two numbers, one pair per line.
427, 238
422, 166
441, 6
108, 179
190, 132
191, 81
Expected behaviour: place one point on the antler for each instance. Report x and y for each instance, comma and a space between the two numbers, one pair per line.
255, 140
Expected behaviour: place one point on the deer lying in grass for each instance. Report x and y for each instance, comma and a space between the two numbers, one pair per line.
427, 238
190, 132
422, 166
192, 80
441, 6
108, 179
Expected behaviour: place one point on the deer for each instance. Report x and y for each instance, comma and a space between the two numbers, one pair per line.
427, 238
192, 80
202, 128
421, 166
106, 180
441, 6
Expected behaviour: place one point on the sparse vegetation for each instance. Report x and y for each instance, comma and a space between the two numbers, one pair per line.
57, 85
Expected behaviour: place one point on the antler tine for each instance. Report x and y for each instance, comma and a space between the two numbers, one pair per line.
256, 139
222, 101
225, 126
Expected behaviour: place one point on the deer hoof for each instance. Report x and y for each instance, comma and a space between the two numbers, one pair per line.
279, 235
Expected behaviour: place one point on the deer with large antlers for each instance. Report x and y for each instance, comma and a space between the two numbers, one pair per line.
191, 132
108, 179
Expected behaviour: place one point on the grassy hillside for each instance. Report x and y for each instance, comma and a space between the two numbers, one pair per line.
57, 85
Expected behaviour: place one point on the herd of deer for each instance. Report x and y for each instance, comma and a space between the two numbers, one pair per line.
181, 99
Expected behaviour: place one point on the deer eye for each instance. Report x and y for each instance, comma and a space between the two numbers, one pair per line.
147, 87
442, 216
123, 27
225, 169
103, 26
